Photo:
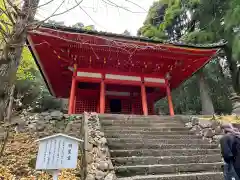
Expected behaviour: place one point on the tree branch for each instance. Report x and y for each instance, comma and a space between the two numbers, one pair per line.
136, 5
6, 23
121, 7
45, 3
14, 6
6, 26
4, 34
3, 11
8, 13
90, 16
53, 14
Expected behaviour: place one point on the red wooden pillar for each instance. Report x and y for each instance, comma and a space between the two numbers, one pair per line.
144, 100
74, 105
102, 97
71, 105
72, 96
170, 103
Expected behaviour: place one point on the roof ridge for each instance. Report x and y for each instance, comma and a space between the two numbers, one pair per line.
219, 44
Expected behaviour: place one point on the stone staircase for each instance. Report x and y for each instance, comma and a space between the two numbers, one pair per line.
159, 148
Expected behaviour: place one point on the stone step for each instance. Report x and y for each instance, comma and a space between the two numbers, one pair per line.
157, 152
150, 136
130, 116
163, 126
154, 141
150, 132
187, 176
148, 160
160, 146
161, 129
125, 171
141, 124
139, 121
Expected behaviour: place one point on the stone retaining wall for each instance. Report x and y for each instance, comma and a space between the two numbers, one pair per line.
212, 129
45, 124
96, 156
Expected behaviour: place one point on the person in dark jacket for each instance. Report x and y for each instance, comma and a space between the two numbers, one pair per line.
230, 150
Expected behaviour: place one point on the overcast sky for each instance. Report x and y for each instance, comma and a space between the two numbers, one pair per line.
95, 12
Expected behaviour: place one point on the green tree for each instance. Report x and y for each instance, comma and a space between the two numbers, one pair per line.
216, 20
27, 69
80, 25
31, 91
198, 21
89, 28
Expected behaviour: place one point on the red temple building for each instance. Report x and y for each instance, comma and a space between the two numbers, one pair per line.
110, 73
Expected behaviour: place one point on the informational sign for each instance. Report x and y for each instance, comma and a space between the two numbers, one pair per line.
57, 152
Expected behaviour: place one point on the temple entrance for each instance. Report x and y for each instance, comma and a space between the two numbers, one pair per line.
115, 106
91, 81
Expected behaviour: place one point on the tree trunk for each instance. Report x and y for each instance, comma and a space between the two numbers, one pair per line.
207, 104
8, 120
233, 68
235, 73
12, 51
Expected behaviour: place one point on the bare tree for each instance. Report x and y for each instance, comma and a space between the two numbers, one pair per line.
19, 18
14, 38
126, 33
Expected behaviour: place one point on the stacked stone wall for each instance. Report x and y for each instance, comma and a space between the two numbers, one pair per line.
212, 129
97, 157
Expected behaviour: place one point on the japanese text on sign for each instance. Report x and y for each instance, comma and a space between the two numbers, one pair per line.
57, 153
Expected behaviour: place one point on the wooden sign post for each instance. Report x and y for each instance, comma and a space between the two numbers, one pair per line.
57, 152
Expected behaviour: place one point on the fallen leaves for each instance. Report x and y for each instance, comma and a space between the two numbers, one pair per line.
19, 159
227, 119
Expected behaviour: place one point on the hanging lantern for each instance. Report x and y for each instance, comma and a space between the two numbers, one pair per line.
75, 66
168, 76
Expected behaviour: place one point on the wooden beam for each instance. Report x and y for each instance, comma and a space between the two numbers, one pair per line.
88, 79
121, 82
154, 84
111, 71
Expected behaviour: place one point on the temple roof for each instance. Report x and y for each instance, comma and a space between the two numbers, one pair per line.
135, 38
56, 48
